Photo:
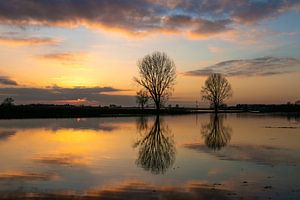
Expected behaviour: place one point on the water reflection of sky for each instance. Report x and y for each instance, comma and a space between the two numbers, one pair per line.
233, 155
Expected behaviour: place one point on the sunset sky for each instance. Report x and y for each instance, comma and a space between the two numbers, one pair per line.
85, 51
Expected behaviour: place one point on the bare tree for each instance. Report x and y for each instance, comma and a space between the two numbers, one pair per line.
216, 90
157, 75
142, 98
216, 135
8, 101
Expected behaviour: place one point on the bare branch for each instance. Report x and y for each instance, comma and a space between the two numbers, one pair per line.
216, 90
157, 76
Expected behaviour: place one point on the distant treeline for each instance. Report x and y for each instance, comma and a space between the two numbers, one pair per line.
269, 107
65, 111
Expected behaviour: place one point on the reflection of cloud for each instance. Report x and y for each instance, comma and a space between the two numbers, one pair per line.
139, 190
201, 18
62, 159
6, 134
59, 95
26, 176
4, 80
215, 171
97, 124
267, 155
27, 41
264, 66
156, 149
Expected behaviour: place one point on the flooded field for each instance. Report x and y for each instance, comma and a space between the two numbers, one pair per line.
233, 156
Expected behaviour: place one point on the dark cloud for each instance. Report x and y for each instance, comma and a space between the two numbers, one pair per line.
196, 17
258, 10
264, 66
59, 95
248, 11
267, 155
4, 80
197, 26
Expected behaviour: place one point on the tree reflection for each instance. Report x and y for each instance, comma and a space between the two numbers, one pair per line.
156, 148
216, 135
141, 124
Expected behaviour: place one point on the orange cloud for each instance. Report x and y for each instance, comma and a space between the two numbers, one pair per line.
79, 101
27, 41
214, 49
64, 57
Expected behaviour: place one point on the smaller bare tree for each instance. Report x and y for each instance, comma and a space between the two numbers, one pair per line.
8, 102
216, 90
142, 98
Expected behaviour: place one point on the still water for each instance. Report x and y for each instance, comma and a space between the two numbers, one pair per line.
233, 156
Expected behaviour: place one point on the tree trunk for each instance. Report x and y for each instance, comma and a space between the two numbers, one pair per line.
216, 107
157, 104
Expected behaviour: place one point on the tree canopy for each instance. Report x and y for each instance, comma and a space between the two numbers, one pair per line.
142, 98
216, 90
157, 75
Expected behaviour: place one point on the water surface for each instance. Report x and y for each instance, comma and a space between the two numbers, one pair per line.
233, 156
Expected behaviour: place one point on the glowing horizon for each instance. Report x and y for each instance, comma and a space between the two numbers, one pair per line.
85, 52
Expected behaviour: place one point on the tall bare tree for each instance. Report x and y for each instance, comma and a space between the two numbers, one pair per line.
157, 75
142, 98
216, 90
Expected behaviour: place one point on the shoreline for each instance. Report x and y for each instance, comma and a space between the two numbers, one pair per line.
55, 111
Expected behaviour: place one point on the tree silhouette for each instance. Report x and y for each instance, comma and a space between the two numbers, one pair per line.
8, 102
142, 124
157, 75
215, 134
142, 98
156, 149
215, 90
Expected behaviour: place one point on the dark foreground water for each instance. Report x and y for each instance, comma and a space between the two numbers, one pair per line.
234, 156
